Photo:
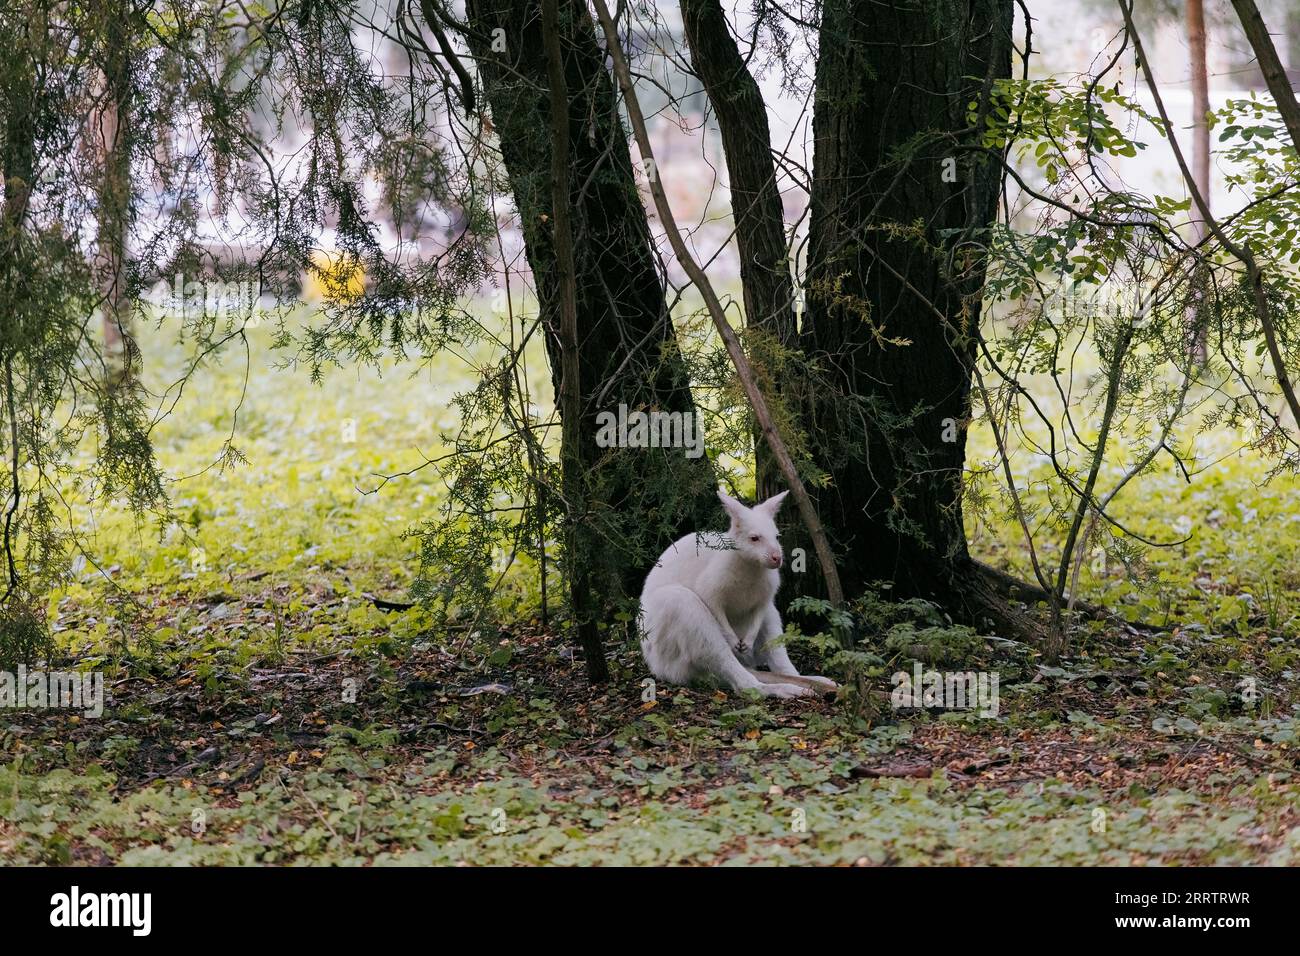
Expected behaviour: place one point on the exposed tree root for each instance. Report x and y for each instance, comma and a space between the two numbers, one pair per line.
1011, 587
983, 599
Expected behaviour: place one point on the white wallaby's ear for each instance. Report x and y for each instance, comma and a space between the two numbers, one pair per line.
771, 505
730, 505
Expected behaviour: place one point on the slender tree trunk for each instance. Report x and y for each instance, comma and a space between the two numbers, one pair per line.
112, 131
766, 283
1270, 64
637, 500
1293, 44
898, 210
1271, 67
1200, 162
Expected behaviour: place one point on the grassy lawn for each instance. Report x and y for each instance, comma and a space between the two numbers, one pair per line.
263, 709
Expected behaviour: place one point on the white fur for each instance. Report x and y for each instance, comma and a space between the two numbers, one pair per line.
707, 607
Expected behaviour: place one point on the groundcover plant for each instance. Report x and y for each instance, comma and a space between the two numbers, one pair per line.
518, 432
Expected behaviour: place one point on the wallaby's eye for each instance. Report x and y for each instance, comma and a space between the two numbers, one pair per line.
753, 537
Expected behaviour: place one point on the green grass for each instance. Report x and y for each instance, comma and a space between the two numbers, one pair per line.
263, 710
813, 814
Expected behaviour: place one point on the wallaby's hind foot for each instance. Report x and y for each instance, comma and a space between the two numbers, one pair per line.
827, 685
810, 685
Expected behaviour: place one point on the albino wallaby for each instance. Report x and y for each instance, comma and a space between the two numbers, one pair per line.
707, 608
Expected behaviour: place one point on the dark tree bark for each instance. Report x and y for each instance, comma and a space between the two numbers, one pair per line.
899, 205
766, 283
637, 499
579, 541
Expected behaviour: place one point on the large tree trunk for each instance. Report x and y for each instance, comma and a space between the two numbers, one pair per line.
766, 283
579, 540
898, 209
637, 500
18, 125
17, 142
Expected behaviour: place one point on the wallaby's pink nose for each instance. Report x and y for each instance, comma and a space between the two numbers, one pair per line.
775, 558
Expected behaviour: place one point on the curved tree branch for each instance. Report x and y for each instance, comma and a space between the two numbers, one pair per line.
775, 442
